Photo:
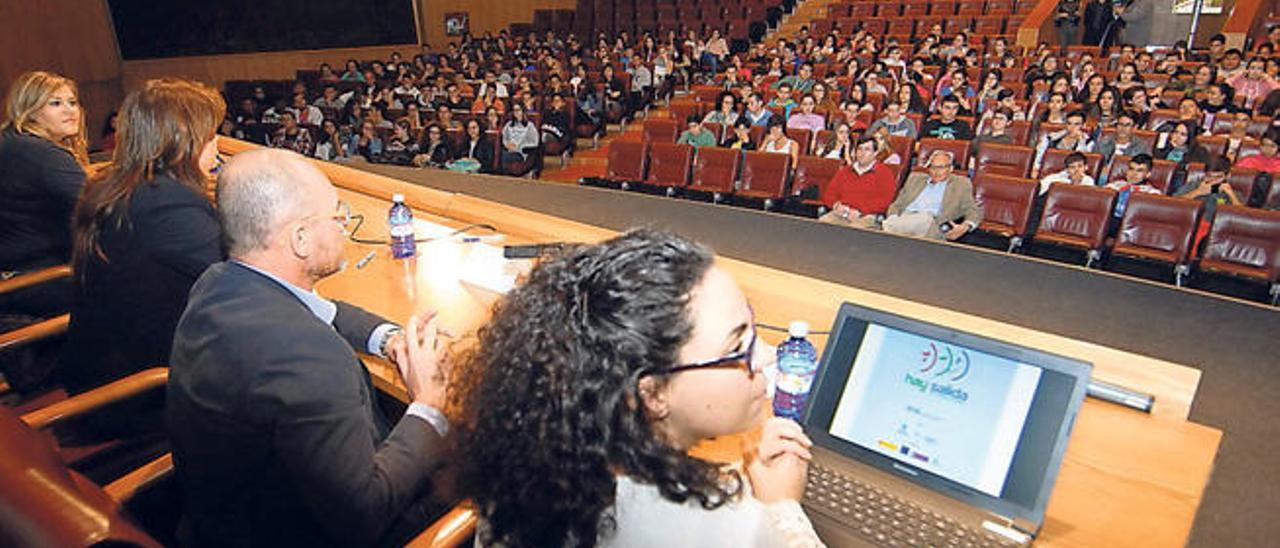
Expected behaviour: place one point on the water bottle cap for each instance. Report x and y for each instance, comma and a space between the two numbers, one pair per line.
798, 329
397, 198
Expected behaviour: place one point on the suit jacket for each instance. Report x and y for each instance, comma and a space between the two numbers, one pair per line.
39, 185
127, 307
277, 440
957, 200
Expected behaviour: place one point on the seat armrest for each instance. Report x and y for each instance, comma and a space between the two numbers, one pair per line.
34, 278
128, 485
35, 332
453, 529
98, 397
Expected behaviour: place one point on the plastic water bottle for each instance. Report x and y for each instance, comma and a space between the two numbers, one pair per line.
797, 365
400, 219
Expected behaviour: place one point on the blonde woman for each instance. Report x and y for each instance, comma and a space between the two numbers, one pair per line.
43, 155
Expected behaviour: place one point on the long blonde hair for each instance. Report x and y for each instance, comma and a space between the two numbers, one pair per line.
29, 94
161, 130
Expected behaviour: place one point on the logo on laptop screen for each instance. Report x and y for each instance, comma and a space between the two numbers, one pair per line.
939, 369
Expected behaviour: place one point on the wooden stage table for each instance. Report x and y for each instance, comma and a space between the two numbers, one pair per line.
1128, 478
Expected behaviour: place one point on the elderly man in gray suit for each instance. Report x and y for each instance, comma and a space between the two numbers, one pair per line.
937, 204
278, 439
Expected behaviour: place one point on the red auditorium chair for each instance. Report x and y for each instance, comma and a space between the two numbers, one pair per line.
970, 7
1244, 243
1159, 229
914, 8
714, 171
863, 9
1161, 172
901, 26
661, 130
1076, 216
716, 129
1055, 159
682, 108
1249, 184
1020, 131
1161, 116
627, 161
669, 165
1006, 204
803, 137
959, 150
814, 171
998, 159
764, 176
988, 26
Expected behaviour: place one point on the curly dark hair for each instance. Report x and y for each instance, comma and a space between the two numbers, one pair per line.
548, 402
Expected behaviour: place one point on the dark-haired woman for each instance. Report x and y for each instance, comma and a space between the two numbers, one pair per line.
593, 380
143, 233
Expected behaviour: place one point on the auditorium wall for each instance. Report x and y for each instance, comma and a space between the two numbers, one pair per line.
71, 37
277, 65
485, 15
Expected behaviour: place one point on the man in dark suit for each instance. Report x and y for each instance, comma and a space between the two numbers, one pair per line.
277, 438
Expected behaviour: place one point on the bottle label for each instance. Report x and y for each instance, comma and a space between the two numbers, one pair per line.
791, 383
401, 230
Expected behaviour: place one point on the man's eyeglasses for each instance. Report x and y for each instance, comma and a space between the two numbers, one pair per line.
742, 359
342, 216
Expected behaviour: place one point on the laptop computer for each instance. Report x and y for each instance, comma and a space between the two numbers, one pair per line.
929, 436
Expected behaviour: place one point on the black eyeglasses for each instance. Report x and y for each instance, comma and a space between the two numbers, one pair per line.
742, 359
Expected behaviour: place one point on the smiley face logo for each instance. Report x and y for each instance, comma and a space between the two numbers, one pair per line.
949, 364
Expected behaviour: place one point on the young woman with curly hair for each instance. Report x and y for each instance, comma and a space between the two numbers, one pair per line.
588, 388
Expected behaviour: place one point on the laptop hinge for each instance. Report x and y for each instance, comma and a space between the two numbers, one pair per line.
1009, 529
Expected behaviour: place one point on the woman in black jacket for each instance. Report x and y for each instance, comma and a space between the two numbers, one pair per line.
477, 146
43, 154
142, 235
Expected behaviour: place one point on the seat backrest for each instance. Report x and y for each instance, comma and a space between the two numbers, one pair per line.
959, 150
1055, 159
1159, 117
716, 169
43, 503
1011, 160
1079, 211
661, 130
627, 161
1161, 172
1247, 237
814, 171
1160, 223
669, 164
1020, 131
765, 173
682, 108
801, 136
1005, 200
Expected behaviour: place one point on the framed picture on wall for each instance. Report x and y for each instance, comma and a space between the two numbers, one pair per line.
457, 23
1187, 7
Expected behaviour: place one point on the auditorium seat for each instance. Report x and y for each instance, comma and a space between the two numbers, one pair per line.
803, 137
714, 171
716, 129
627, 161
1161, 172
1011, 160
1020, 131
1006, 204
1250, 185
45, 503
669, 165
1159, 117
681, 109
1055, 159
1244, 243
1160, 229
764, 176
958, 149
1076, 217
814, 171
661, 130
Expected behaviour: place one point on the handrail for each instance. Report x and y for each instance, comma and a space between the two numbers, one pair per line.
124, 488
1037, 25
37, 277
1244, 19
98, 397
452, 529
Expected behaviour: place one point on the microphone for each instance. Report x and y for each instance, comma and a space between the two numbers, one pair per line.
1117, 394
531, 251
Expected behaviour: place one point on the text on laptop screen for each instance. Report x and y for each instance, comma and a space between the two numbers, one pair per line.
950, 410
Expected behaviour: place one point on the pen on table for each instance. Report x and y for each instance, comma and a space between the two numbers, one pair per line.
365, 261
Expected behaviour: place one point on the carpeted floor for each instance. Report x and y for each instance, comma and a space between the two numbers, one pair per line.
1236, 345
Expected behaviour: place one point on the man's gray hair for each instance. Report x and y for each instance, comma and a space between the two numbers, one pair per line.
256, 190
951, 157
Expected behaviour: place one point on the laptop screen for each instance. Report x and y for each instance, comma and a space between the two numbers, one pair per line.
980, 420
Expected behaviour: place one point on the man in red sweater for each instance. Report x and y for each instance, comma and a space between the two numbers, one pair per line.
860, 190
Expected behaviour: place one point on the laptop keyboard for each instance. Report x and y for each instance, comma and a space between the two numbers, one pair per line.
885, 519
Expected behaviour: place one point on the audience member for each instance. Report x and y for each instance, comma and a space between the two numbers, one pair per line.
726, 113
1180, 145
476, 152
756, 112
807, 118
740, 137
839, 147
861, 190
946, 125
937, 204
695, 134
896, 121
1135, 180
641, 331
519, 137
1074, 172
777, 141
1266, 160
277, 436
292, 136
1122, 142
